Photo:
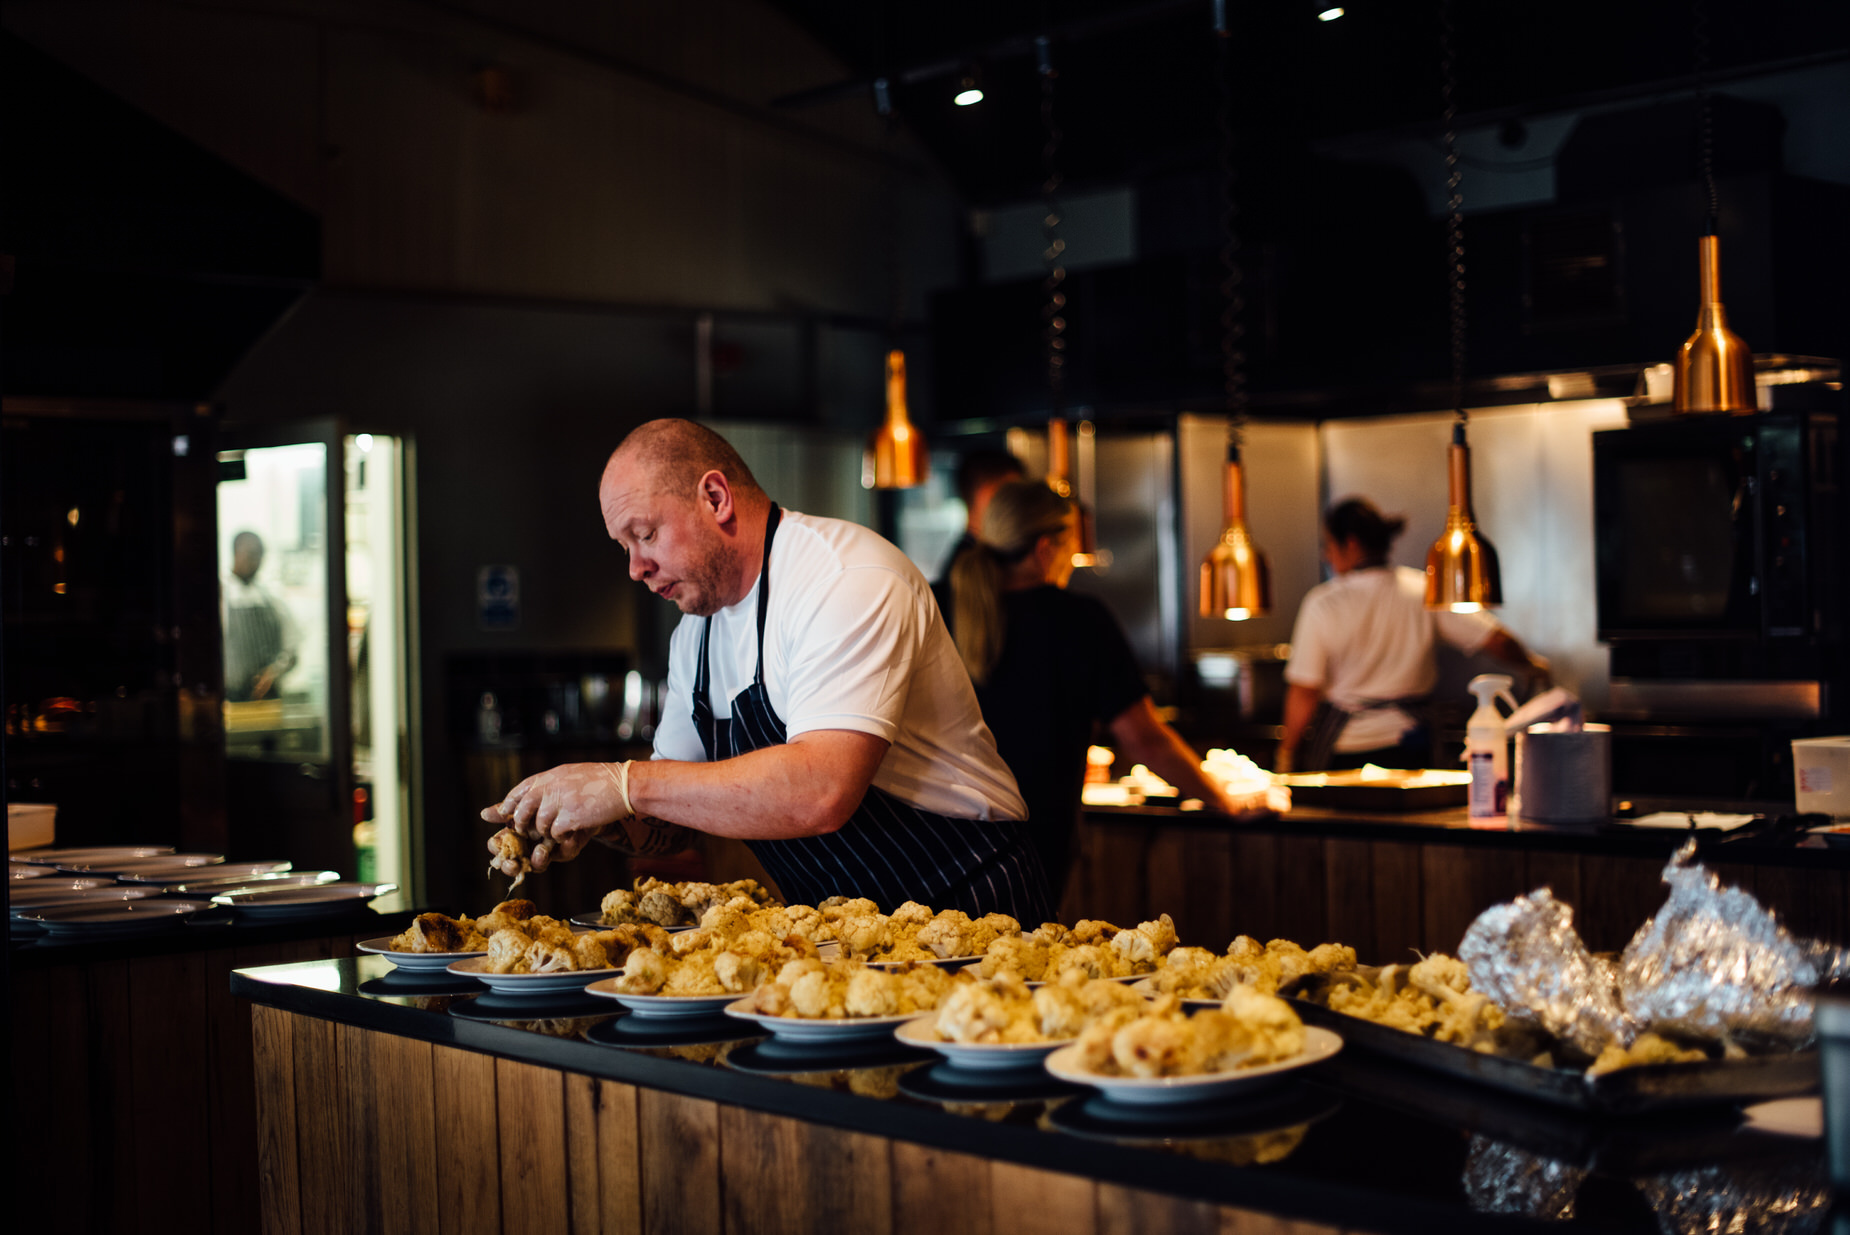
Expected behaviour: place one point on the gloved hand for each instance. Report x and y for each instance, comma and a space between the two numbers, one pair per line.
558, 811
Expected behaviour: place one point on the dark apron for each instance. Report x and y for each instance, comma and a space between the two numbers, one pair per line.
889, 851
1317, 749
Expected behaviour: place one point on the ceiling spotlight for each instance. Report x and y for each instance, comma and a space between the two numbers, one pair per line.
1330, 14
969, 88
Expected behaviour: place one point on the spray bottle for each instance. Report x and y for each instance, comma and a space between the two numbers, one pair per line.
1487, 750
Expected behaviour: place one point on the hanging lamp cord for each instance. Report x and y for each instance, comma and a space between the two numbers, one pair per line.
1705, 111
1455, 208
1232, 286
1053, 253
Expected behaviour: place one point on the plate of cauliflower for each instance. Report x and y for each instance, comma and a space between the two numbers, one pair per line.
538, 955
736, 947
434, 941
811, 1000
1092, 949
1000, 1022
674, 906
1158, 1054
1204, 979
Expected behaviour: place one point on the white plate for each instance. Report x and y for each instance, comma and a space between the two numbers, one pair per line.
54, 885
23, 870
133, 917
209, 885
51, 857
122, 865
942, 962
301, 901
416, 962
594, 920
662, 1007
800, 1029
528, 983
222, 872
1319, 1045
976, 1056
64, 894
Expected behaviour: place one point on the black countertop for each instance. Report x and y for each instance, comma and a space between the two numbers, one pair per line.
1358, 1143
1777, 837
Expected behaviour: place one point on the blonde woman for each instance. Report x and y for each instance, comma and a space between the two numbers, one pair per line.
1050, 667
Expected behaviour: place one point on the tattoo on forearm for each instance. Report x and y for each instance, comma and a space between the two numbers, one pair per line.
643, 837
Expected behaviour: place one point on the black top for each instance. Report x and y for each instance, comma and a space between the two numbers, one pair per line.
1065, 666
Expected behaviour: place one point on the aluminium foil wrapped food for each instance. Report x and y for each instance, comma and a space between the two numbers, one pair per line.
1715, 965
1526, 956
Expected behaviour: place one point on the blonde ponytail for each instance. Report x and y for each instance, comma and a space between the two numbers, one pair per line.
1020, 513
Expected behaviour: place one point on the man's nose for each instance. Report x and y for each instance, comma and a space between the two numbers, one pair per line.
640, 568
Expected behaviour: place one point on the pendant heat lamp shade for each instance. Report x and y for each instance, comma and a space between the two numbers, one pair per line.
1714, 369
896, 456
1461, 566
1236, 579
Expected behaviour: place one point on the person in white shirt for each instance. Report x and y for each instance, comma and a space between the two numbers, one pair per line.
1364, 644
817, 707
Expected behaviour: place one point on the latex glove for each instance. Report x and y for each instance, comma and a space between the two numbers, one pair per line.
562, 809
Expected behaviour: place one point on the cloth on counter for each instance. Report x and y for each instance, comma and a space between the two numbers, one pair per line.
1683, 821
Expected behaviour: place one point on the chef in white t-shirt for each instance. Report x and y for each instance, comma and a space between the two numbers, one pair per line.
817, 708
1365, 643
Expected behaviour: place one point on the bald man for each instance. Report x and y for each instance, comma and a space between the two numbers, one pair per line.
817, 708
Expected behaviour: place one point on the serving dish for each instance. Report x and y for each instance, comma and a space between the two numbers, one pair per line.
1319, 1044
920, 1032
798, 1029
16, 871
556, 982
301, 901
74, 892
134, 917
663, 1007
1380, 788
1628, 1091
415, 962
104, 853
219, 872
124, 865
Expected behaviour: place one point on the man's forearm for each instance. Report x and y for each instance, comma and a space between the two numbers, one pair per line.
1300, 707
805, 787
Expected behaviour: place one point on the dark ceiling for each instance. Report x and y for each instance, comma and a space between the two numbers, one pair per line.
1136, 93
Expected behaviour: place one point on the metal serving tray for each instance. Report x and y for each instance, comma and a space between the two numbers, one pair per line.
1347, 790
1629, 1091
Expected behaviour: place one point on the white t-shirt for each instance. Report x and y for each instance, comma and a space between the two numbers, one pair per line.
1368, 636
853, 640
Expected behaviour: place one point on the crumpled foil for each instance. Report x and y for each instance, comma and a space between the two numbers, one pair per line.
1714, 964
1527, 958
1790, 1198
1502, 1179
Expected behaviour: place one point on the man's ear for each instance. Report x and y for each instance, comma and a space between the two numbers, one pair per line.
714, 494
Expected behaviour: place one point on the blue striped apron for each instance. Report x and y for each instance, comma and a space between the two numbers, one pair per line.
889, 851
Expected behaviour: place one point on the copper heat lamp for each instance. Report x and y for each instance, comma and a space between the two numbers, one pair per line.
896, 456
1461, 566
1714, 369
1236, 579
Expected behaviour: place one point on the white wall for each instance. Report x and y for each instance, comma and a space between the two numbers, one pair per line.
1532, 488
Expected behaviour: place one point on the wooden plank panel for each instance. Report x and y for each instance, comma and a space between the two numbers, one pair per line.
1616, 896
1558, 872
602, 1164
1397, 900
321, 1152
1129, 1211
1025, 1201
1303, 902
1108, 880
1253, 885
796, 1177
407, 1134
231, 1100
1207, 856
680, 1163
1349, 894
167, 1045
50, 1069
112, 1095
362, 1105
273, 1061
1809, 901
1166, 885
934, 1191
530, 1103
1457, 883
469, 1168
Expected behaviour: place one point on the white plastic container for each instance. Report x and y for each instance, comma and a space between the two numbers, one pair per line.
1821, 775
1487, 749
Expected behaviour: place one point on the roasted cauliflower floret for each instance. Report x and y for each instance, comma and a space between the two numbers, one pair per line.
644, 971
619, 908
865, 935
737, 973
509, 847
911, 914
507, 950
430, 932
871, 993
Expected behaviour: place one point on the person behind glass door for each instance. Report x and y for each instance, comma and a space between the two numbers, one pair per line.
261, 639
1050, 665
1364, 644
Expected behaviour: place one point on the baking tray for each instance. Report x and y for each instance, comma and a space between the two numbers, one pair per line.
1648, 1089
1346, 790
